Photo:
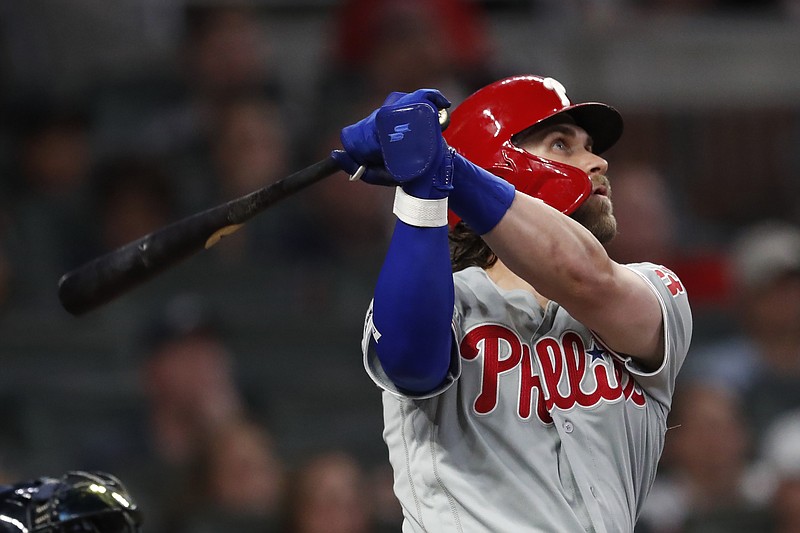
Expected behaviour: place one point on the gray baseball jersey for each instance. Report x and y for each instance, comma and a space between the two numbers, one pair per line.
538, 427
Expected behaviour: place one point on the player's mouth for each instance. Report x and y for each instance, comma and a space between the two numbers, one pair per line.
601, 186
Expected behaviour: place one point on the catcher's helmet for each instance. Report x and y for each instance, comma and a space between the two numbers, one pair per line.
483, 126
78, 502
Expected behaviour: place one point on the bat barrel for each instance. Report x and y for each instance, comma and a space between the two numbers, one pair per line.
107, 277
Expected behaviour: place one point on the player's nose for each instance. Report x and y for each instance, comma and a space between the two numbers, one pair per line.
594, 164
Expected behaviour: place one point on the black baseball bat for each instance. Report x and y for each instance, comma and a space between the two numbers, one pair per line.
109, 276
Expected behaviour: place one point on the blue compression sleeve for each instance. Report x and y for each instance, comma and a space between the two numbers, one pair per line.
413, 308
480, 198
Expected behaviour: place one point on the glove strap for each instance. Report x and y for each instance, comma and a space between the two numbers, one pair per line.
419, 212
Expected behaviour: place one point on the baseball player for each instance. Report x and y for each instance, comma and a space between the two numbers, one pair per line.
528, 391
78, 502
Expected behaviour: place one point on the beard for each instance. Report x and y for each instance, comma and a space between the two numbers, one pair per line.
597, 215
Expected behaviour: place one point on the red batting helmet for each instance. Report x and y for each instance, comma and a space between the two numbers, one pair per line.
483, 125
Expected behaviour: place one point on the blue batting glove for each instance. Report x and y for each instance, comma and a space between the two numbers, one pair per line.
414, 151
374, 175
360, 140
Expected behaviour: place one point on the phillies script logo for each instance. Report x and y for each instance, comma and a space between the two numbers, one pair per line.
564, 362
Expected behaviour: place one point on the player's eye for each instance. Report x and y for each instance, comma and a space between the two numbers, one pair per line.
560, 144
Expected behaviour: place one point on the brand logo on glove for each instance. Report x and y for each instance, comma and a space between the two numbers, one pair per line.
399, 130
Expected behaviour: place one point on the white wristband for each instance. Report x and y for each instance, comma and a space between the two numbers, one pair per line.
420, 212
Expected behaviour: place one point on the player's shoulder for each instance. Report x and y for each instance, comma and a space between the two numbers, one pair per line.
663, 280
653, 270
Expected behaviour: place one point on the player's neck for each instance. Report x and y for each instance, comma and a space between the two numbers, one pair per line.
504, 278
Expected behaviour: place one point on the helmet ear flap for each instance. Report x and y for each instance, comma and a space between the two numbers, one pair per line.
483, 125
562, 187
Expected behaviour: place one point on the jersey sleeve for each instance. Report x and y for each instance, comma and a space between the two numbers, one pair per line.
677, 317
375, 370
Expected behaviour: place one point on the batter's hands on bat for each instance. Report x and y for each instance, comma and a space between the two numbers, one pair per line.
374, 175
401, 143
360, 140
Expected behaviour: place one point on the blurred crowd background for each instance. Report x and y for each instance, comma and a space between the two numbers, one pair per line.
229, 392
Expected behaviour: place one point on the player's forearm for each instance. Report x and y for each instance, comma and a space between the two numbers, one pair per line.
564, 262
551, 251
413, 308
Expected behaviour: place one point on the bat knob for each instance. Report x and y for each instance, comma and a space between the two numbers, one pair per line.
444, 118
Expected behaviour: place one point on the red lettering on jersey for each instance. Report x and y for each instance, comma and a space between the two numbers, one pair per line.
527, 383
575, 359
548, 352
489, 339
575, 353
671, 281
562, 367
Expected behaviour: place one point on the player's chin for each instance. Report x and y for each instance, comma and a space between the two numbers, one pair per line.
597, 215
